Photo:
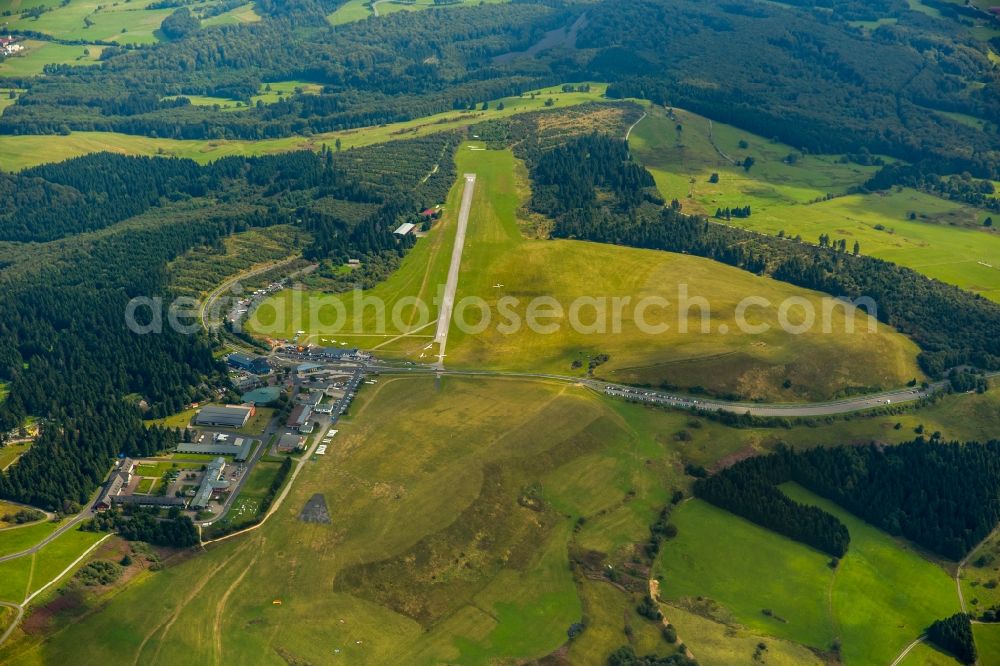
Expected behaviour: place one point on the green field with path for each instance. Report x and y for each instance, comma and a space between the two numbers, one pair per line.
772, 365
881, 596
22, 151
946, 240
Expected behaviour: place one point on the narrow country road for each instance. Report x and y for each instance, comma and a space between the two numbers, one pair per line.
906, 651
209, 304
62, 529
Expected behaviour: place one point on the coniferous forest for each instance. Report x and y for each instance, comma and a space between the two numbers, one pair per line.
939, 495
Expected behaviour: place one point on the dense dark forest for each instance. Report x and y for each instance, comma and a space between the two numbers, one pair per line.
954, 635
750, 490
939, 495
65, 349
953, 327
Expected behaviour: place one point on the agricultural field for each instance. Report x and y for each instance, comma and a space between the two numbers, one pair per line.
945, 240
881, 596
23, 151
980, 577
22, 538
389, 509
774, 365
987, 642
37, 54
124, 22
573, 454
23, 576
200, 270
925, 654
358, 10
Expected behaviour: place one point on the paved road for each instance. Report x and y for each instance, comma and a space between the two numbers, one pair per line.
62, 529
653, 396
448, 302
629, 132
208, 305
906, 651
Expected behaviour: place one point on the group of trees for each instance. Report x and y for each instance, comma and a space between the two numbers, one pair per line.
141, 524
806, 75
728, 213
957, 187
939, 495
954, 635
371, 72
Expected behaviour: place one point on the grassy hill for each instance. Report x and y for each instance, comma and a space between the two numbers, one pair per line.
945, 240
879, 598
774, 365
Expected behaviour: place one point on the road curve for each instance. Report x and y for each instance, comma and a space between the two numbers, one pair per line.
657, 397
62, 529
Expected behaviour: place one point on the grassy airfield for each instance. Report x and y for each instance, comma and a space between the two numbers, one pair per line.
722, 359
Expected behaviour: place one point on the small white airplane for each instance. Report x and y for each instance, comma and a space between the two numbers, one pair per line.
498, 286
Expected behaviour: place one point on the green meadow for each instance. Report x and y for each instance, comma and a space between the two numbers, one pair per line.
945, 240
11, 452
269, 94
358, 10
987, 642
23, 151
22, 538
472, 575
131, 22
722, 358
23, 576
405, 572
880, 597
37, 54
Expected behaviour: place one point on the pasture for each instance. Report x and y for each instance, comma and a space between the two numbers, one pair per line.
132, 22
405, 573
11, 451
19, 539
37, 54
23, 151
420, 576
808, 195
498, 263
880, 597
358, 10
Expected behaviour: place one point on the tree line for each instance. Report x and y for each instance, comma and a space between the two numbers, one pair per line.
952, 327
939, 495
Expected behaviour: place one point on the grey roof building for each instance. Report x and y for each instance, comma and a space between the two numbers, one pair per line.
212, 481
227, 416
148, 500
240, 448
